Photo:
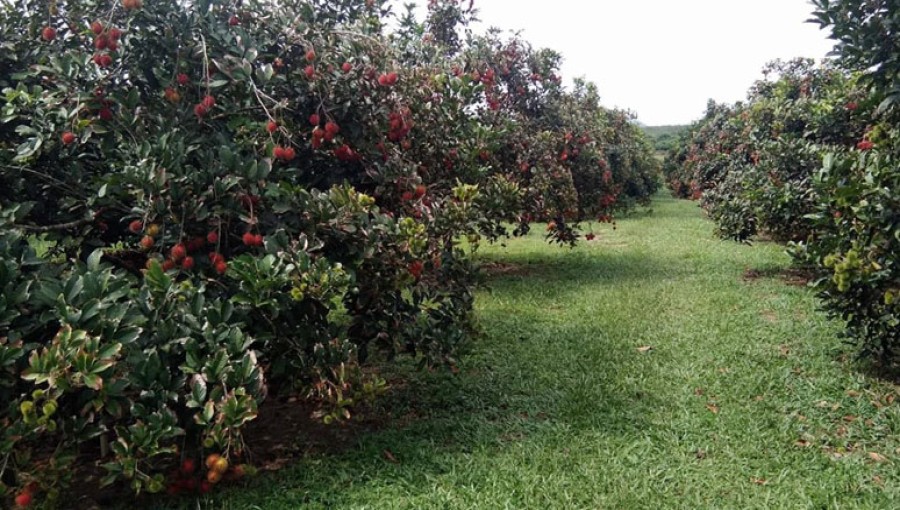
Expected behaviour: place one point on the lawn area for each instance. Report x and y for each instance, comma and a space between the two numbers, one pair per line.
746, 399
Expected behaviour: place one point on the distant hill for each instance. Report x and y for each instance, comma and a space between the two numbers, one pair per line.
663, 137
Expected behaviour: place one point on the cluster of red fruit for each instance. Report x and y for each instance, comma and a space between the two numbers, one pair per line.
345, 153
388, 79
490, 92
186, 481
102, 105
171, 94
179, 255
283, 153
319, 135
204, 106
419, 192
865, 145
105, 41
251, 239
132, 4
400, 125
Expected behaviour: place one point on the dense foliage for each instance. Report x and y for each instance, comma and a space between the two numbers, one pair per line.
856, 239
812, 157
664, 138
204, 202
753, 163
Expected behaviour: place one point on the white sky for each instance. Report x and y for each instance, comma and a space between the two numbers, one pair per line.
663, 59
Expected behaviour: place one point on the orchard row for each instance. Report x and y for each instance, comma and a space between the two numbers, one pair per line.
207, 202
812, 158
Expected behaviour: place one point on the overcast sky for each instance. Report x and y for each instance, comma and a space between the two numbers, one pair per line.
663, 59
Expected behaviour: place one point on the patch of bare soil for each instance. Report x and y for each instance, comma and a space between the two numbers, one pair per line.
493, 269
797, 277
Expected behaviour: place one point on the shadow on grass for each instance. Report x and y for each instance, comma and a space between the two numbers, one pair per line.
578, 269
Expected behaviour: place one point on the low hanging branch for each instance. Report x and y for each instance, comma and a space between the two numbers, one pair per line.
52, 228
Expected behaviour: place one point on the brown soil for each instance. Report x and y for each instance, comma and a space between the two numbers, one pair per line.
493, 269
797, 277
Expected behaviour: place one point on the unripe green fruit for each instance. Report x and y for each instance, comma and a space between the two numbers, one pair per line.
49, 408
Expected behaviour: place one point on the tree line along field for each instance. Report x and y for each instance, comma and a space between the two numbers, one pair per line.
216, 215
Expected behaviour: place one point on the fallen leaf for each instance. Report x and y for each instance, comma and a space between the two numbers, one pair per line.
759, 398
841, 431
849, 418
890, 399
724, 370
785, 350
390, 456
713, 408
759, 481
852, 393
802, 443
878, 481
700, 454
877, 457
646, 348
699, 392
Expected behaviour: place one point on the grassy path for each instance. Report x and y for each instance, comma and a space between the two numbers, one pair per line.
744, 401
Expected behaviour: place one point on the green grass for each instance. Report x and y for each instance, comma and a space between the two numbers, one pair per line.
555, 407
